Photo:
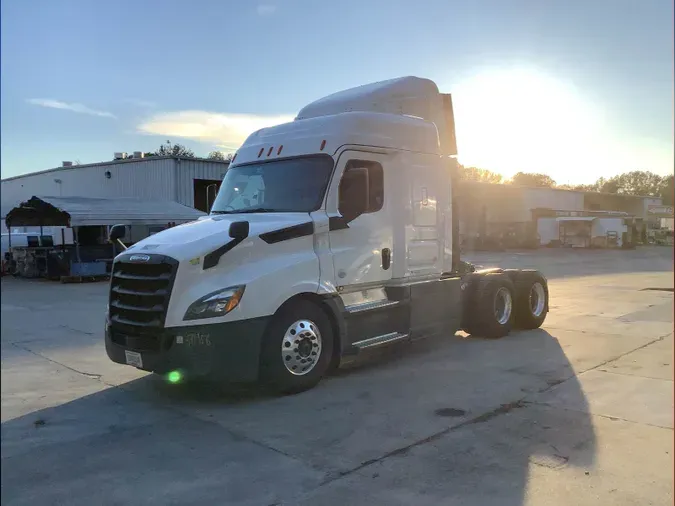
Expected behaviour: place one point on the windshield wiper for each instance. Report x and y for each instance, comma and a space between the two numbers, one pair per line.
258, 210
248, 210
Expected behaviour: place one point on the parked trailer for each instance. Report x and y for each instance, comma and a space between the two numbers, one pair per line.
333, 234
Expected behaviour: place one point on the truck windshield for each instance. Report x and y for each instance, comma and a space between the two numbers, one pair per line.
292, 185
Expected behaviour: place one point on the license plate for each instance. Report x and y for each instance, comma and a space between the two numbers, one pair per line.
134, 358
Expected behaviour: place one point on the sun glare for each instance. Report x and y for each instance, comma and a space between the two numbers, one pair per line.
517, 120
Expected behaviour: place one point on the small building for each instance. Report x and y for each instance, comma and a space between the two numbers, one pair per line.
583, 229
663, 232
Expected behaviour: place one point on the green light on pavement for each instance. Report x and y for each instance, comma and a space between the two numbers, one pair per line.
174, 377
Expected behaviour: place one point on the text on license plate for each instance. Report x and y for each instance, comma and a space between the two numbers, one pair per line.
133, 358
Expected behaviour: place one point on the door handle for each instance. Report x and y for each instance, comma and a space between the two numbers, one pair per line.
386, 258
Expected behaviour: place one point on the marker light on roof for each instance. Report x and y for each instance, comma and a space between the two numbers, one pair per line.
323, 144
269, 151
260, 152
279, 150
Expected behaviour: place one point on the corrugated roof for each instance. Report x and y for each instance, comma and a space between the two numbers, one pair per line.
114, 162
83, 211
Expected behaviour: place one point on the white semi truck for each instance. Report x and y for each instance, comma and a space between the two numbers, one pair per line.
332, 234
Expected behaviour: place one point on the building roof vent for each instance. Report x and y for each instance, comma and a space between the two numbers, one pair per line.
120, 155
66, 164
139, 154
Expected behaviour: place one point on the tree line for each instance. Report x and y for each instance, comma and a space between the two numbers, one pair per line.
637, 182
171, 149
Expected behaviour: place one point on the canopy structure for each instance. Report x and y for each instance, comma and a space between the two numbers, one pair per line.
84, 211
577, 218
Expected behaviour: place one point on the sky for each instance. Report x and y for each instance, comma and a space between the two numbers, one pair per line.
577, 89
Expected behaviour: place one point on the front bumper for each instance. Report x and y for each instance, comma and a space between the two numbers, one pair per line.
222, 351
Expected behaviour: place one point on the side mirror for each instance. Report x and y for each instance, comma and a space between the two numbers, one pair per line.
354, 193
117, 232
239, 230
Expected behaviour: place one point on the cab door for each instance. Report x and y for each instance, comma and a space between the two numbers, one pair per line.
360, 224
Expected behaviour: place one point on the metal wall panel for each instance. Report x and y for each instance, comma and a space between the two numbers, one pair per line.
188, 170
550, 198
151, 179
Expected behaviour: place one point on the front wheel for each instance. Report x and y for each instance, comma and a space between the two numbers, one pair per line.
297, 348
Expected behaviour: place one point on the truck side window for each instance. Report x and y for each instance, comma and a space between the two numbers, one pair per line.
375, 184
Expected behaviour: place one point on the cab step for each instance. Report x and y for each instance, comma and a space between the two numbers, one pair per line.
373, 342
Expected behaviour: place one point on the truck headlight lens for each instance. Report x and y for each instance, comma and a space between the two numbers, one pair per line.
217, 303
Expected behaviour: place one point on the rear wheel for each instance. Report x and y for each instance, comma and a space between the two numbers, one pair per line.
297, 348
489, 312
531, 299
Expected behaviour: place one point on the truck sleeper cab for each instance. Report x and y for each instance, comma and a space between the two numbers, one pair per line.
330, 235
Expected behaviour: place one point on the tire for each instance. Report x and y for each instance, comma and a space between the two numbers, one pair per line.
512, 274
489, 312
531, 300
304, 330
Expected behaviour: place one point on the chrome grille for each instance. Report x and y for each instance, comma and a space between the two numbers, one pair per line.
139, 294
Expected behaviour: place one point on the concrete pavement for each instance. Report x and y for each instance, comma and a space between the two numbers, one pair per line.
579, 412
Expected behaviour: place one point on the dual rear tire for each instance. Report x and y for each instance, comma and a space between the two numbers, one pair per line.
495, 303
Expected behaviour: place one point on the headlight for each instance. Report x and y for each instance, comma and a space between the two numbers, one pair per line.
217, 303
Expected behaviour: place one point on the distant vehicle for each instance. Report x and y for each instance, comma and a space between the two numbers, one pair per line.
26, 239
331, 235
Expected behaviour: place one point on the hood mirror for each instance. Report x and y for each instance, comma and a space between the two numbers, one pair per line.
239, 230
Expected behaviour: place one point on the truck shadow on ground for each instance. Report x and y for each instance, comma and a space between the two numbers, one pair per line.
449, 419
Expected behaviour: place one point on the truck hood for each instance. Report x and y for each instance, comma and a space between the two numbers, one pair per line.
197, 238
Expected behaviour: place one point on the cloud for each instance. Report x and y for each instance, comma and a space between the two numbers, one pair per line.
227, 131
266, 9
78, 108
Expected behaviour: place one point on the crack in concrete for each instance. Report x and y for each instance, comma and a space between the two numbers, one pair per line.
614, 359
634, 375
485, 417
600, 415
83, 373
67, 327
594, 332
174, 409
501, 410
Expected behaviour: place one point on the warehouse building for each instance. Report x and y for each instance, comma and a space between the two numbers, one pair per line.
59, 218
192, 182
538, 216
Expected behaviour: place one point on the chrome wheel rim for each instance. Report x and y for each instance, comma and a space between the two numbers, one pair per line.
301, 347
503, 305
537, 299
